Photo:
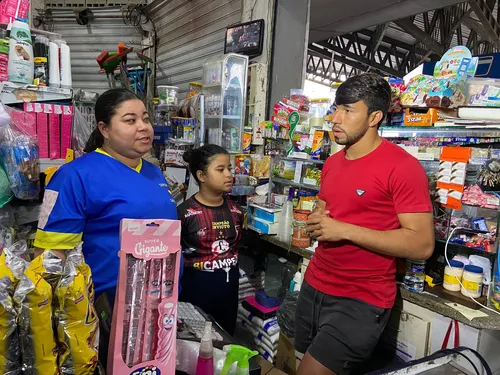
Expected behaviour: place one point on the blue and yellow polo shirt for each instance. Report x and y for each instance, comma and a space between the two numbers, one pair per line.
85, 201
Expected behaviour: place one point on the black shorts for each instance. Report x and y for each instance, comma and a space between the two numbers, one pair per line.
340, 333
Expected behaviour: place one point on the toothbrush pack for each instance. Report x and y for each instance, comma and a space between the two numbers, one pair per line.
143, 335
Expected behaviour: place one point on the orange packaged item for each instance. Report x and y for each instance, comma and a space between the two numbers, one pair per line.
418, 117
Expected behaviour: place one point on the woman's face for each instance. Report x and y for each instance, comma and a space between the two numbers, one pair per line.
130, 133
218, 177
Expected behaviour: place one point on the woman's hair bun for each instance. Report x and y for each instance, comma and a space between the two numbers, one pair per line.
187, 155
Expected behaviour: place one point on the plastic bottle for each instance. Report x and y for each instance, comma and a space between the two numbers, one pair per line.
240, 354
41, 60
21, 66
205, 365
415, 276
286, 219
65, 66
295, 283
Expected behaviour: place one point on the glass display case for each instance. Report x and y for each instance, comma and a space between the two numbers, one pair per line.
224, 88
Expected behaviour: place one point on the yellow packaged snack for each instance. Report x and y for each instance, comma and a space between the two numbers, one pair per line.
33, 303
12, 267
78, 325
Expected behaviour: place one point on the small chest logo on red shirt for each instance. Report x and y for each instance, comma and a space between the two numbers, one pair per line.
360, 192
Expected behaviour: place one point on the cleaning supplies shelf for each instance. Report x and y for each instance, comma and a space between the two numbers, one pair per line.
36, 31
16, 93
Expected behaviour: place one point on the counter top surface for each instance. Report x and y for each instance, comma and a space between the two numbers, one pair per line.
425, 300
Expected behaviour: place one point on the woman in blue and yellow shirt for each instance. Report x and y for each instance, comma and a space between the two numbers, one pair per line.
87, 198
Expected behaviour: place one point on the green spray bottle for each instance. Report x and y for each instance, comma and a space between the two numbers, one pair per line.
240, 354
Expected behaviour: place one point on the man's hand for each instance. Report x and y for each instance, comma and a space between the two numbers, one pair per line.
322, 227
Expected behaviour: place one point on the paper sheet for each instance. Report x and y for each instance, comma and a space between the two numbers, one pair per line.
466, 311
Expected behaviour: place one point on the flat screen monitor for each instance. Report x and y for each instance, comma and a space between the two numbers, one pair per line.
245, 38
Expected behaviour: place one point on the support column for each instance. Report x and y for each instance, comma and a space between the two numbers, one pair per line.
291, 37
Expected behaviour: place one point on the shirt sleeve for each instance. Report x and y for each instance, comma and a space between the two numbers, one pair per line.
322, 185
410, 187
62, 215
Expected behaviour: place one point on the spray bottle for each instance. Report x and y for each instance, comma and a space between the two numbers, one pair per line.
205, 365
240, 354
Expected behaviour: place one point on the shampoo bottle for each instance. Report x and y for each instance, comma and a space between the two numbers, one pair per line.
21, 65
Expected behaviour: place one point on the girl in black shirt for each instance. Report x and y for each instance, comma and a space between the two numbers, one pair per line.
211, 234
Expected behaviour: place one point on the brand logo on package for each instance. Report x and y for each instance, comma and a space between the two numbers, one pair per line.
360, 192
150, 249
148, 370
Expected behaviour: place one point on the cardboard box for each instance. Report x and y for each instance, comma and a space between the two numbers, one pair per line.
286, 359
42, 133
265, 365
428, 118
54, 136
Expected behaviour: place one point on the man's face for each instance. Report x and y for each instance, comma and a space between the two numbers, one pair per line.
350, 122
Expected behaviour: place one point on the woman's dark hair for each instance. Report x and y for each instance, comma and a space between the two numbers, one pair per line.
199, 159
105, 109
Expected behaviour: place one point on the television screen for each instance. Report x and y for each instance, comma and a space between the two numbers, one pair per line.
245, 38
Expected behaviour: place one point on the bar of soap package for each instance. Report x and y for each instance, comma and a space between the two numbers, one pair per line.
143, 335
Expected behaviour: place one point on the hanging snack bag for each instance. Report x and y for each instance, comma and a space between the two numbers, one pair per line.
33, 302
12, 267
77, 322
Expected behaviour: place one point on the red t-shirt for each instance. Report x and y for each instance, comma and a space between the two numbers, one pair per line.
369, 192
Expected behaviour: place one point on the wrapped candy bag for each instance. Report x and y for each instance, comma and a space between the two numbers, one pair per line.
33, 303
77, 322
12, 266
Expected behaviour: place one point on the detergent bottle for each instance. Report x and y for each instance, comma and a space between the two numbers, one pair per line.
205, 365
240, 354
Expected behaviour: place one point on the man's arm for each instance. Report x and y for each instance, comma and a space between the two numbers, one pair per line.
414, 240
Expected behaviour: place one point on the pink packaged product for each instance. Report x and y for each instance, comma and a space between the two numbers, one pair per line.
42, 133
66, 122
54, 136
143, 335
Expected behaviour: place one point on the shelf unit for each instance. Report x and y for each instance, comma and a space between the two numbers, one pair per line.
428, 132
12, 93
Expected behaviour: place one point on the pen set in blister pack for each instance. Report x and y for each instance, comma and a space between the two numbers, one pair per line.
144, 324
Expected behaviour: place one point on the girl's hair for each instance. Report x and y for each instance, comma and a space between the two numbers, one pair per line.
200, 158
105, 109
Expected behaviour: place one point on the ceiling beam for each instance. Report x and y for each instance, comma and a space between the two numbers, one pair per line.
487, 26
420, 35
319, 52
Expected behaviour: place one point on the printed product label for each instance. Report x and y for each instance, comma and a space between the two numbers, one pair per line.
471, 286
449, 279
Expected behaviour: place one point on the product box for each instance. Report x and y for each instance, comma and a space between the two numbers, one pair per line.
421, 117
286, 357
66, 123
42, 133
54, 136
145, 313
262, 226
267, 212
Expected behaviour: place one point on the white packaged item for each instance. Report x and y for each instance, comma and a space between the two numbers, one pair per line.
54, 76
472, 281
65, 65
168, 94
453, 276
21, 68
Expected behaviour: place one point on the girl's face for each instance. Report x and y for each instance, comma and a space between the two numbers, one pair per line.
218, 176
130, 133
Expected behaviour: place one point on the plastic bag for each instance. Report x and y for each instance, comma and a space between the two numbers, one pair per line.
80, 133
286, 313
6, 193
19, 153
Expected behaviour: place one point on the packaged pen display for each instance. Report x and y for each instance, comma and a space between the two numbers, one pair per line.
145, 316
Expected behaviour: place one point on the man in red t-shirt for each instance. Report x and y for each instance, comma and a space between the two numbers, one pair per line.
374, 206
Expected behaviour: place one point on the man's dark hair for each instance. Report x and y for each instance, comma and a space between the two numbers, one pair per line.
371, 88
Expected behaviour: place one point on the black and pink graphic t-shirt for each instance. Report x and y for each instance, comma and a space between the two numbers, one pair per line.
210, 235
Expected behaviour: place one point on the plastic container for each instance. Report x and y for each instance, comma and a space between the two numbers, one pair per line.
41, 52
483, 92
65, 66
285, 223
472, 281
21, 65
168, 94
205, 365
415, 276
300, 237
318, 109
453, 276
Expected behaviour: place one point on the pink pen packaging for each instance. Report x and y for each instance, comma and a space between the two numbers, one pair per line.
143, 335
